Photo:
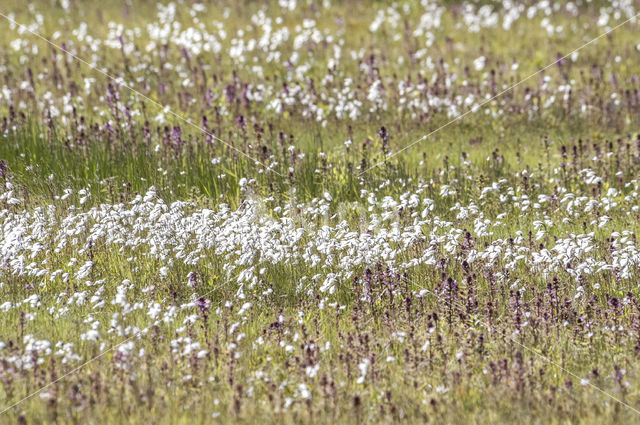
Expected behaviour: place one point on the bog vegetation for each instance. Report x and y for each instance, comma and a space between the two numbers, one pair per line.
243, 237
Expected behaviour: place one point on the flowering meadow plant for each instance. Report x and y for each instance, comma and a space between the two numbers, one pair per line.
228, 212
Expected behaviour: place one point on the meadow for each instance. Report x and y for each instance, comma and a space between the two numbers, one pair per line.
327, 211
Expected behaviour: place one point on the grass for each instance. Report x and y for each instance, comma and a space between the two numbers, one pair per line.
485, 275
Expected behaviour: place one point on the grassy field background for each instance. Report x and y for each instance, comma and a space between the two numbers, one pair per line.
152, 273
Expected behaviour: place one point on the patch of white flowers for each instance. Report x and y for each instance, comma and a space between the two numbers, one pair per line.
274, 41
